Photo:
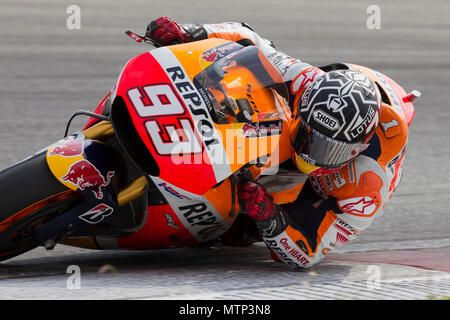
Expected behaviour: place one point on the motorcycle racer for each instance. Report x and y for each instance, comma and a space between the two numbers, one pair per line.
350, 145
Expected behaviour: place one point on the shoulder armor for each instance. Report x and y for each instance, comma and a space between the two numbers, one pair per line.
393, 134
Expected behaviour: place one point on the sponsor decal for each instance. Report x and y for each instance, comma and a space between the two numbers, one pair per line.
351, 171
86, 176
367, 123
250, 98
274, 246
293, 252
281, 61
321, 172
199, 112
268, 230
387, 125
204, 96
269, 116
305, 97
326, 120
345, 228
340, 239
262, 129
67, 148
195, 104
193, 212
202, 220
170, 222
210, 56
172, 191
307, 159
305, 79
328, 182
359, 206
97, 214
339, 180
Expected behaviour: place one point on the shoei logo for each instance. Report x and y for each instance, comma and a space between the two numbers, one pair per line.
326, 120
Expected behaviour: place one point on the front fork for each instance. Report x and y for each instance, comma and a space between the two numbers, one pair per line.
87, 213
88, 167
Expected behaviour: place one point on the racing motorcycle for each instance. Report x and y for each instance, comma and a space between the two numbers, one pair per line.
158, 162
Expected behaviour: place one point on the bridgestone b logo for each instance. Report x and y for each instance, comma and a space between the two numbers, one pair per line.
325, 120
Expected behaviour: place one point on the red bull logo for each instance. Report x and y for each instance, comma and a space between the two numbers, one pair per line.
69, 148
86, 176
210, 56
262, 129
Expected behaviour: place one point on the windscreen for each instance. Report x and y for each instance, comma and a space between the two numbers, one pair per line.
240, 85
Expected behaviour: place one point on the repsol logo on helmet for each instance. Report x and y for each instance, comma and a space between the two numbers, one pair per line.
326, 120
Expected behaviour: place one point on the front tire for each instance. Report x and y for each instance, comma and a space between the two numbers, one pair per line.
29, 197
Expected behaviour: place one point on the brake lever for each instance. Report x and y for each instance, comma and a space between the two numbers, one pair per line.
139, 38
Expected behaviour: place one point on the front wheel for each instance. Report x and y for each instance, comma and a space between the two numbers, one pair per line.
30, 196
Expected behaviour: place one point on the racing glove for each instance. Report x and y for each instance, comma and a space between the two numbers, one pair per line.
269, 218
256, 202
165, 32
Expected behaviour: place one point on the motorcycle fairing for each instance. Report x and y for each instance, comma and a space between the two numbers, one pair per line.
187, 219
82, 164
169, 115
173, 119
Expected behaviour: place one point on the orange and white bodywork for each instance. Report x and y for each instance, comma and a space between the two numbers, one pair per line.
322, 212
197, 155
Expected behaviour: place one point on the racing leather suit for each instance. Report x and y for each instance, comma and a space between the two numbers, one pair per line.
333, 209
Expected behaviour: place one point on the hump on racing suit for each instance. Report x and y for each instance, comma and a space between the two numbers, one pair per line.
332, 209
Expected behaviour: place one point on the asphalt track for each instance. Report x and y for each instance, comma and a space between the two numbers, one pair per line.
47, 71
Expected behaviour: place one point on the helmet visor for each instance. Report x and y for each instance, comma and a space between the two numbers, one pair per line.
319, 150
